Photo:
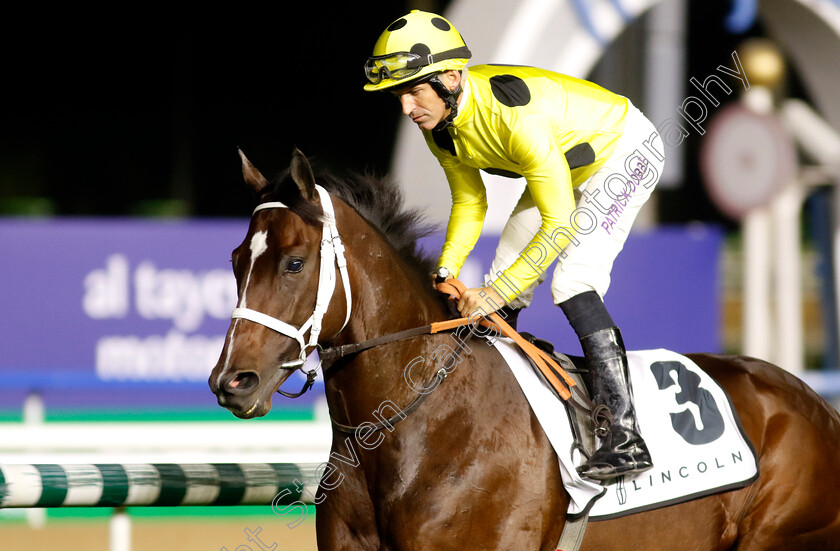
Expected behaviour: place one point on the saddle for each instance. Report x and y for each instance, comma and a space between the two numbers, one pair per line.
583, 421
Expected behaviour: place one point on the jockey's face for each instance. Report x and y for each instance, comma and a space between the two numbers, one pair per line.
423, 104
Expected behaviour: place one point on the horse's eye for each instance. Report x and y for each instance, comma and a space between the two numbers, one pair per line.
294, 265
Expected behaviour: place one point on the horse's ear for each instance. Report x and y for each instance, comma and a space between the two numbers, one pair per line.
255, 180
302, 174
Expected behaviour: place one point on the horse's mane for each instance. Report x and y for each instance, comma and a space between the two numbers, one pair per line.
378, 200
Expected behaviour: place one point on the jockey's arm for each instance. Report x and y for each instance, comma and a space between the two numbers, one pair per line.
534, 147
469, 206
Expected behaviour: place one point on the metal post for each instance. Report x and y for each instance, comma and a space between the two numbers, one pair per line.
756, 263
33, 416
119, 535
786, 209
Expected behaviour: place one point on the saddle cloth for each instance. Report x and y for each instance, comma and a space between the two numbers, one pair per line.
687, 420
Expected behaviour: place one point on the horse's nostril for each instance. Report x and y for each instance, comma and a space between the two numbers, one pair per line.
243, 383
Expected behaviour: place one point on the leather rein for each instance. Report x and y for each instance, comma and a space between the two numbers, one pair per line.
548, 367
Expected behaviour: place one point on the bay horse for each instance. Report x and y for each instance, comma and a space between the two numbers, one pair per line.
470, 467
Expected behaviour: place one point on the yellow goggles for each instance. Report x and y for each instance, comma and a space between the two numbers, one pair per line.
401, 65
393, 66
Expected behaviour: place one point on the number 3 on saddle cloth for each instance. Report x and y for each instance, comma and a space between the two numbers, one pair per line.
687, 420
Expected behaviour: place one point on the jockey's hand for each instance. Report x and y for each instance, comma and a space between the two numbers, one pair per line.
481, 301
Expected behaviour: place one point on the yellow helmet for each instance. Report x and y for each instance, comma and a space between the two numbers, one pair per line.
414, 46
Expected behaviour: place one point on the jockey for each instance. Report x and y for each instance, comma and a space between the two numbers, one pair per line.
589, 163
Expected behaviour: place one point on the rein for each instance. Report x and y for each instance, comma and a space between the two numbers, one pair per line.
547, 365
336, 352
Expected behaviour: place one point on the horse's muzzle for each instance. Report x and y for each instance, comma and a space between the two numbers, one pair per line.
238, 392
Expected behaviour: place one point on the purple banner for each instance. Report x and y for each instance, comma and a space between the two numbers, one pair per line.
116, 300
137, 300
145, 302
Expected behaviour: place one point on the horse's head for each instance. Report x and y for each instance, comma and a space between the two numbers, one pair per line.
285, 293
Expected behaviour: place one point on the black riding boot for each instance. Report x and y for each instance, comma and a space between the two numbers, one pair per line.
622, 450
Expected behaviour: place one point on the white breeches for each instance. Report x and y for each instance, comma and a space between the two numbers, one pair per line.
607, 205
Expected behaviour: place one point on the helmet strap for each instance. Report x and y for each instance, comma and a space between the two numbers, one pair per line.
450, 99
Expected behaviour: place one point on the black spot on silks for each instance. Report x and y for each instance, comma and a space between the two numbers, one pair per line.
443, 139
420, 49
502, 172
580, 155
440, 24
397, 25
510, 90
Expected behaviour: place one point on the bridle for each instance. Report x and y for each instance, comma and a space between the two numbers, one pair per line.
332, 255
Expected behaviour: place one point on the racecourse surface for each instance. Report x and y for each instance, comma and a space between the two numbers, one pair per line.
191, 534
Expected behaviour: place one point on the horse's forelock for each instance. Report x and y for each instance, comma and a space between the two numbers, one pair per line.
283, 189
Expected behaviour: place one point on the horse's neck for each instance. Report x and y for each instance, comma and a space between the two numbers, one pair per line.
388, 294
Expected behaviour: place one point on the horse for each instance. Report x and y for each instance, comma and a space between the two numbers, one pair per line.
470, 466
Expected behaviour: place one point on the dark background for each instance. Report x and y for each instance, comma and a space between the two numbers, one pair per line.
142, 112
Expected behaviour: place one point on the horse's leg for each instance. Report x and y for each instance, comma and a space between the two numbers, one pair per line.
795, 503
344, 518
